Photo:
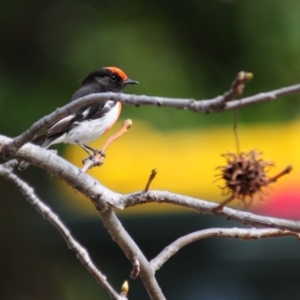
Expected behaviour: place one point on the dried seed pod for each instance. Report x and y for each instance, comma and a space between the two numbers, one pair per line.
245, 177
245, 174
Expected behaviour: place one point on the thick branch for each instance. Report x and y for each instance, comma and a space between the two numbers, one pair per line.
132, 251
205, 106
238, 233
6, 171
101, 197
104, 198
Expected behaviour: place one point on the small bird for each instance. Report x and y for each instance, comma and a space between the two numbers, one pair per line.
89, 122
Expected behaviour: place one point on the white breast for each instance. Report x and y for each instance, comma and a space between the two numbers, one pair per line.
90, 130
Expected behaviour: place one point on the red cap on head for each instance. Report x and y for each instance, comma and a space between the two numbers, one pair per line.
118, 71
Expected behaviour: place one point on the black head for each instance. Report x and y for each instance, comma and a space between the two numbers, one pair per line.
109, 79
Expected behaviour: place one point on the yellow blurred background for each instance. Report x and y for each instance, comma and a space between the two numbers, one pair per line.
186, 160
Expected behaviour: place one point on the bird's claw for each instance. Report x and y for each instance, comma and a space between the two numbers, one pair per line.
96, 162
101, 152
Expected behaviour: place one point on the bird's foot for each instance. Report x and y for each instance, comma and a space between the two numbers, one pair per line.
91, 151
97, 161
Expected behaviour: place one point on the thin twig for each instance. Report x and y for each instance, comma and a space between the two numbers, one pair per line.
235, 124
125, 126
237, 89
98, 158
246, 234
150, 179
287, 170
237, 86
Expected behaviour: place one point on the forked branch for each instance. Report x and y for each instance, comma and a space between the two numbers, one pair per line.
217, 104
238, 233
6, 171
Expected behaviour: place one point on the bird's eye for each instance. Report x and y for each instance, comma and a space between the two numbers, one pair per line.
113, 78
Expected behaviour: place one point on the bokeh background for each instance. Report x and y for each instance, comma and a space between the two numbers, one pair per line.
190, 49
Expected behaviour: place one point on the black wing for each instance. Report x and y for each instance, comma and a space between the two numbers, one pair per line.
83, 113
87, 112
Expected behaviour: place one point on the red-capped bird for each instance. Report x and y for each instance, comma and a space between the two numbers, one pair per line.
90, 122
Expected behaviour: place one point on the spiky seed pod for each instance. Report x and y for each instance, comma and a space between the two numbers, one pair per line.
245, 174
245, 177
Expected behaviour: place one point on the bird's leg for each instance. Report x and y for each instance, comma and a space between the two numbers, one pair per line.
87, 149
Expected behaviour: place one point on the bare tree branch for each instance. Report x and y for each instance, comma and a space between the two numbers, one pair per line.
206, 207
238, 233
104, 198
6, 171
132, 251
101, 197
217, 104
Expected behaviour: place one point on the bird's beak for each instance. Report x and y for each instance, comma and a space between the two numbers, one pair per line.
130, 81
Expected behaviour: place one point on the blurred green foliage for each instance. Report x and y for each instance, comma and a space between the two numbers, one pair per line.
190, 49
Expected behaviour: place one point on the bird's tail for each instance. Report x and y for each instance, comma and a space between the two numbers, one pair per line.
24, 164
